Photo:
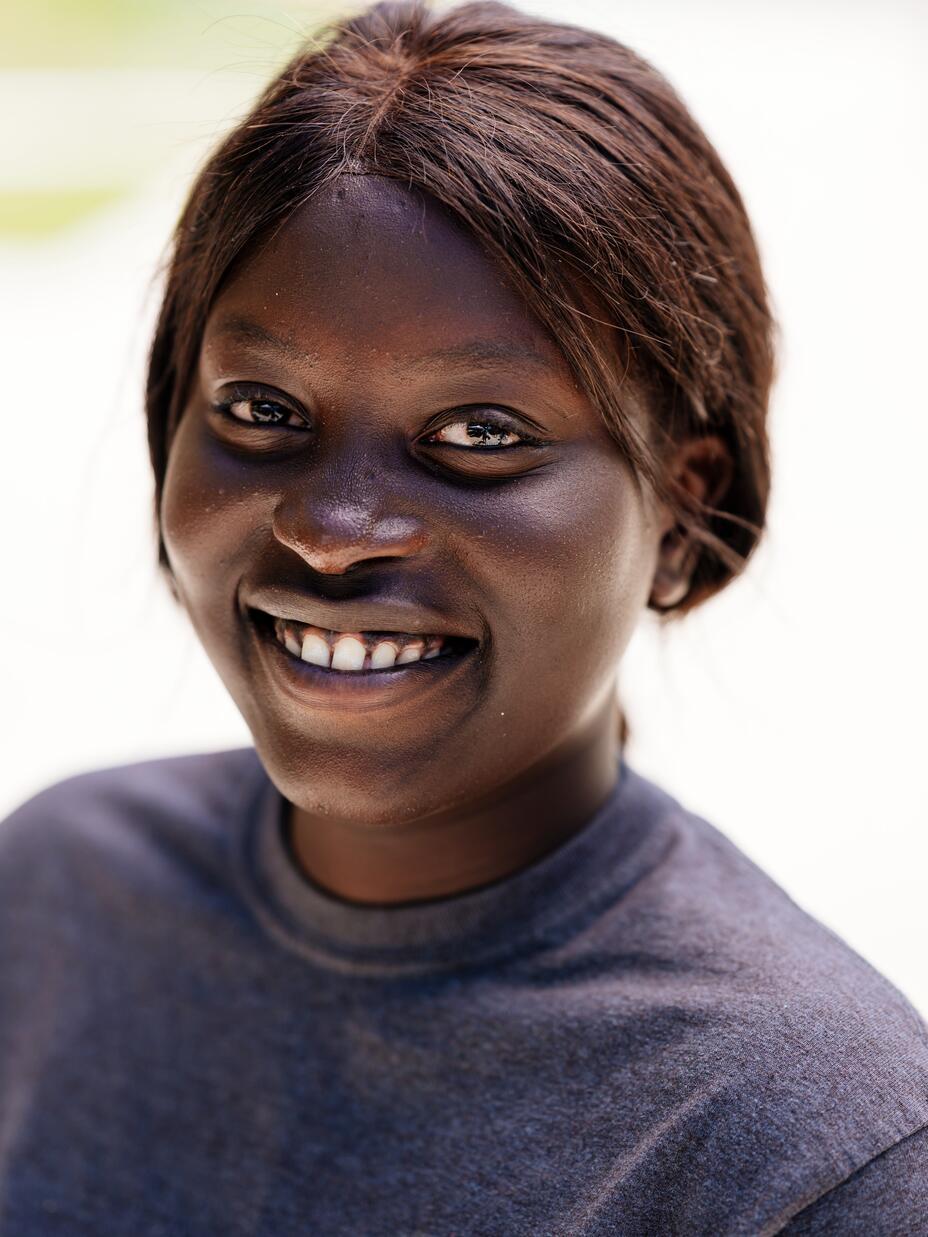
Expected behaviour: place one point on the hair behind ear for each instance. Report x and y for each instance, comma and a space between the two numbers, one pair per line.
623, 730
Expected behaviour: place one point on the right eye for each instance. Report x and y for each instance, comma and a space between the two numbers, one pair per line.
257, 408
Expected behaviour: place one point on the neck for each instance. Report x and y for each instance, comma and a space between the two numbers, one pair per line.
474, 844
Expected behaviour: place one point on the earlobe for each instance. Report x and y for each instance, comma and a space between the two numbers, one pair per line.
676, 562
701, 471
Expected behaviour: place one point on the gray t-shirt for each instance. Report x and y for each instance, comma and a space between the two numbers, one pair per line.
638, 1034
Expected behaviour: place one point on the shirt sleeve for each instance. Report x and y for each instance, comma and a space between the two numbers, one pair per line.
887, 1197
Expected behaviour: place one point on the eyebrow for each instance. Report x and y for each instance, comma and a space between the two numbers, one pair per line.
475, 353
484, 354
248, 332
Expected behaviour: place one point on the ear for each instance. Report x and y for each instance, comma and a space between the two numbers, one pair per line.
703, 469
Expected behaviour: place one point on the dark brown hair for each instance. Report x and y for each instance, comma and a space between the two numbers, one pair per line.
575, 166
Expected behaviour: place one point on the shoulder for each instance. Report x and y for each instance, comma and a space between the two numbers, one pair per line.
808, 1061
126, 816
142, 780
887, 1197
726, 929
193, 781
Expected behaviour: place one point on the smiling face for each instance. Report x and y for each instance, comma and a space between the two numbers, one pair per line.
380, 437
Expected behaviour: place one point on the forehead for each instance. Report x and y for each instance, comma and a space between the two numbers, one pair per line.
368, 266
371, 265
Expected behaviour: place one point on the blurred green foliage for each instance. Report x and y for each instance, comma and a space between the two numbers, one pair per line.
31, 213
148, 33
231, 47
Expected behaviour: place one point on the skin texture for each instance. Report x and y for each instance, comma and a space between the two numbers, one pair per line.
547, 555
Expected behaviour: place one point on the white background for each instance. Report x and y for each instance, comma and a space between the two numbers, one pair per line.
791, 710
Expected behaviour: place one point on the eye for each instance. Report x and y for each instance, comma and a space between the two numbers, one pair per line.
479, 433
255, 407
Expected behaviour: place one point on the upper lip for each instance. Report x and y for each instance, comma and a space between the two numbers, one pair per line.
396, 616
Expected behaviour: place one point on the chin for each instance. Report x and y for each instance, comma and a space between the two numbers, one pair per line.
359, 787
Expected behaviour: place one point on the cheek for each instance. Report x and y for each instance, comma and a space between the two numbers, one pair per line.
573, 558
209, 511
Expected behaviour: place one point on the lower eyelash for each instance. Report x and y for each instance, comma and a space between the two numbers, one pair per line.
526, 439
224, 408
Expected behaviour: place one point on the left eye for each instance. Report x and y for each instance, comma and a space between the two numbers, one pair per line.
476, 433
255, 410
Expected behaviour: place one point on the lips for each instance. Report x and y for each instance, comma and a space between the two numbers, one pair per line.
352, 651
348, 616
315, 685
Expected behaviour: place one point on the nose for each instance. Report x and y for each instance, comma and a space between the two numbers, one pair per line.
346, 517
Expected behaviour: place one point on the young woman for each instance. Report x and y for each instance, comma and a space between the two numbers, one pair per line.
463, 363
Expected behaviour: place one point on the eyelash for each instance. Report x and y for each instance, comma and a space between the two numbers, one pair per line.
224, 407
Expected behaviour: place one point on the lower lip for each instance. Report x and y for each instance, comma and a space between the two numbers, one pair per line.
357, 689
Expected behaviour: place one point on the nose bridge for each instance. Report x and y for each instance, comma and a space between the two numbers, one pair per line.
346, 505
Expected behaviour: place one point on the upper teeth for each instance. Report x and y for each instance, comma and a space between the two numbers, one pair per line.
357, 650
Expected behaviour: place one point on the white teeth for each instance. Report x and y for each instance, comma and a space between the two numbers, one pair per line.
412, 652
315, 650
349, 653
384, 655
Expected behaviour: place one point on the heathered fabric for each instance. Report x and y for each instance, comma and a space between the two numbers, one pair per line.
638, 1034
